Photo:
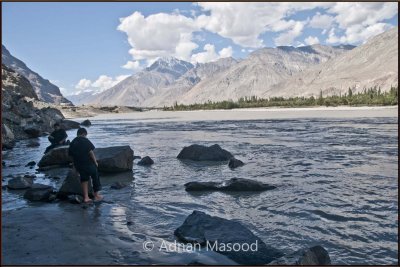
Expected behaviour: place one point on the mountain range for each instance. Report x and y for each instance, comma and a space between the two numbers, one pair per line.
44, 89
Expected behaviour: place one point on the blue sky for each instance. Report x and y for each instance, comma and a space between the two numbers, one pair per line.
92, 46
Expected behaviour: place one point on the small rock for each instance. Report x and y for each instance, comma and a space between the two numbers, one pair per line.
32, 131
19, 183
146, 161
13, 165
31, 163
316, 255
234, 163
33, 144
38, 192
3, 163
75, 199
30, 176
118, 185
86, 123
136, 157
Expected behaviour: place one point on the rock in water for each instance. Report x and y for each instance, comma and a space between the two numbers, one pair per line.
234, 184
30, 163
39, 192
32, 131
56, 156
234, 163
146, 161
33, 144
86, 123
203, 153
110, 159
118, 185
7, 137
19, 183
218, 234
114, 159
72, 186
68, 124
316, 255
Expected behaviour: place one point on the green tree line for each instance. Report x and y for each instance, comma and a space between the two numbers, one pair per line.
367, 97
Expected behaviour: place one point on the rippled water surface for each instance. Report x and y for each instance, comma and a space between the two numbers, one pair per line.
336, 178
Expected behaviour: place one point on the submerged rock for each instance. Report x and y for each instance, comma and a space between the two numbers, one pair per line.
234, 184
30, 163
203, 153
72, 186
110, 159
316, 255
33, 143
18, 183
218, 234
118, 185
86, 123
146, 161
234, 163
39, 192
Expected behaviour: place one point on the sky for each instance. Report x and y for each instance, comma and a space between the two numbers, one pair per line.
92, 46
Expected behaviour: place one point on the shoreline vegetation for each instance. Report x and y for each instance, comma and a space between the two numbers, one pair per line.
368, 97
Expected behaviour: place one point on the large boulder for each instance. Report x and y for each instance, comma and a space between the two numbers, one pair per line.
110, 159
234, 184
72, 186
227, 237
204, 153
7, 137
316, 255
18, 183
39, 192
33, 130
114, 159
56, 156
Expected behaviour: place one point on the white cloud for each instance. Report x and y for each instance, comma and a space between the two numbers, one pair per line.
311, 40
83, 84
360, 21
159, 35
287, 38
102, 83
132, 65
210, 55
321, 21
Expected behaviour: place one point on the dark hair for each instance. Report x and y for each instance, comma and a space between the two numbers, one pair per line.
81, 131
56, 124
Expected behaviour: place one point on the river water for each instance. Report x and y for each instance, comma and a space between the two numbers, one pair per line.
336, 174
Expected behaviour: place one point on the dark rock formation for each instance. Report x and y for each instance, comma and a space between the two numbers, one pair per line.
86, 123
32, 131
39, 192
203, 153
234, 184
234, 163
316, 255
218, 234
30, 163
18, 183
146, 161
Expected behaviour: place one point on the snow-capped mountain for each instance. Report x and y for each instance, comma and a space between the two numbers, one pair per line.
45, 90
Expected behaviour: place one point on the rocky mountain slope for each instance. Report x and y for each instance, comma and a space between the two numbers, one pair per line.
374, 63
134, 90
259, 72
45, 90
20, 118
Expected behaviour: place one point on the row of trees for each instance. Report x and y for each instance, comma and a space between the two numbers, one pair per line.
369, 97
